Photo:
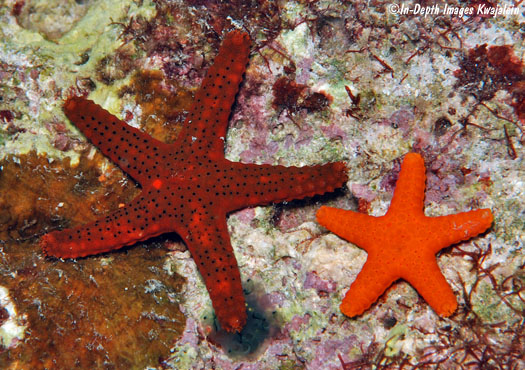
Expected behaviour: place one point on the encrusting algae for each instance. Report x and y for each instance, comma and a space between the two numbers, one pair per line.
80, 313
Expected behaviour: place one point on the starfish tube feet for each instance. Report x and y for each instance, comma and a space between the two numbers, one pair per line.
402, 244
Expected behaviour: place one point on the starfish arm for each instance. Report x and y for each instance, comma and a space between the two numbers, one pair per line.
137, 221
368, 286
410, 187
209, 244
357, 228
115, 138
430, 283
263, 184
205, 127
452, 229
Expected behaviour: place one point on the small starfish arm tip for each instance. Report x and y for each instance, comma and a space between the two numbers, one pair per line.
352, 226
321, 212
447, 310
485, 218
368, 286
350, 310
460, 227
480, 221
445, 304
356, 302
326, 215
414, 158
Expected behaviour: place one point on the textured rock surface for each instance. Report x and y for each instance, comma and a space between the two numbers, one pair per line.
413, 83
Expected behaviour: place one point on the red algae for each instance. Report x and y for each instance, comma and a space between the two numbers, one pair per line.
504, 60
487, 70
293, 97
286, 94
6, 115
17, 8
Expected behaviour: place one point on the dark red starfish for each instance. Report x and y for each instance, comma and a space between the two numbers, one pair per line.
188, 186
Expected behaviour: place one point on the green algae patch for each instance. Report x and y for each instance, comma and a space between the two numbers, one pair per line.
393, 345
82, 36
62, 64
50, 18
67, 52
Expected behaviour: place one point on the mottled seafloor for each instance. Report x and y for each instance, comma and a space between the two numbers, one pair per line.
327, 80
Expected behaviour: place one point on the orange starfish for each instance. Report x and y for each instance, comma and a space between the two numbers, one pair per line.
403, 243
